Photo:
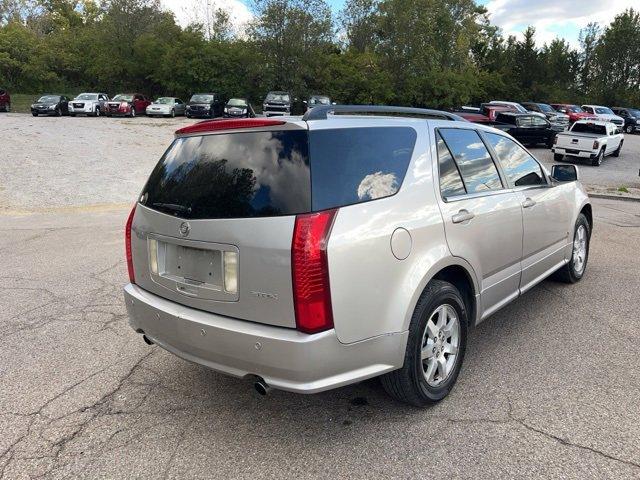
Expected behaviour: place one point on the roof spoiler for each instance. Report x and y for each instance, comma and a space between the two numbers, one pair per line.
320, 112
213, 125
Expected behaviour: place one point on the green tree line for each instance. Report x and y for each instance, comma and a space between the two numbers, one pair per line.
436, 53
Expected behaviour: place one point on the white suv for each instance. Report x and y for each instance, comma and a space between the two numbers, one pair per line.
310, 253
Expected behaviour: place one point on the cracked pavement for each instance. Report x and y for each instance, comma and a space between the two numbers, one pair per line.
549, 388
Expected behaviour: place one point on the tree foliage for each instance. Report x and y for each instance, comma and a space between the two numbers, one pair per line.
438, 53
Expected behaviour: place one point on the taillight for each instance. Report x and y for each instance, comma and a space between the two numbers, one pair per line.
127, 235
310, 269
595, 145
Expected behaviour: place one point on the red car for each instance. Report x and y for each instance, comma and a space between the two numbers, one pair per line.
487, 113
5, 101
128, 105
574, 111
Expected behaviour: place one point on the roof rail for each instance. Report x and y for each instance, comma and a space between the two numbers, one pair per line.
320, 112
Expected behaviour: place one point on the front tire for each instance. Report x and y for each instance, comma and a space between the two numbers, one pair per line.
173, 113
573, 271
435, 348
34, 114
629, 129
96, 113
558, 157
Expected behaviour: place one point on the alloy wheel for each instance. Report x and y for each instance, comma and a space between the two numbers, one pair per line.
580, 249
440, 344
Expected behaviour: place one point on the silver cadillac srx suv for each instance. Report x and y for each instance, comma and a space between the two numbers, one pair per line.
309, 253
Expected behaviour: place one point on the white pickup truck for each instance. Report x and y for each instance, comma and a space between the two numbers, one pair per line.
592, 139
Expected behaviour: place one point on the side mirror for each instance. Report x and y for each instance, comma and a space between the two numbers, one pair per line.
565, 173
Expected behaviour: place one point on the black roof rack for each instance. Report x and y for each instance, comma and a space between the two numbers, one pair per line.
320, 112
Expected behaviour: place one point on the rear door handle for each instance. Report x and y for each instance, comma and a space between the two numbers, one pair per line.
462, 216
528, 203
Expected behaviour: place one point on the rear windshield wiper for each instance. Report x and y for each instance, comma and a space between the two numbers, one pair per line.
173, 206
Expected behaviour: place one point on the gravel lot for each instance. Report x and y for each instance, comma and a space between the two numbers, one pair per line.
549, 388
50, 162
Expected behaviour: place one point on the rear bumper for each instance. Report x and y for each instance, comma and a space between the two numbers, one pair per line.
285, 358
574, 153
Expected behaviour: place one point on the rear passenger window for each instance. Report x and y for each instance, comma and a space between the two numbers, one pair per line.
472, 157
354, 165
450, 179
520, 168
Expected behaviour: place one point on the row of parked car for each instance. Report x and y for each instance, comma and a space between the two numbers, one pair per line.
200, 105
538, 123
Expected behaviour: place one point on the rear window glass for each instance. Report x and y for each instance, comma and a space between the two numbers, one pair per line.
234, 175
589, 128
262, 174
355, 165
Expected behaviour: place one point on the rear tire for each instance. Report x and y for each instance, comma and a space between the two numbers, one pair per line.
573, 271
597, 161
618, 150
557, 157
435, 348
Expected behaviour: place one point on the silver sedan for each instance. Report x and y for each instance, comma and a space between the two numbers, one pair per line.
166, 107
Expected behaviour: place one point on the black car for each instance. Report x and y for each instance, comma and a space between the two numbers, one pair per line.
51, 105
631, 118
205, 105
528, 129
559, 121
239, 108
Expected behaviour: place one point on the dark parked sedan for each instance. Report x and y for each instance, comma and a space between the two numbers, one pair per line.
528, 129
238, 108
51, 105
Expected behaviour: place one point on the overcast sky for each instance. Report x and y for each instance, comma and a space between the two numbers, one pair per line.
552, 18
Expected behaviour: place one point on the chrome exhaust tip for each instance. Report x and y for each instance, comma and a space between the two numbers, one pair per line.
261, 387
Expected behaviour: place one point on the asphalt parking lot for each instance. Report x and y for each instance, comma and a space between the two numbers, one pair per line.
549, 387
